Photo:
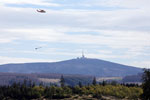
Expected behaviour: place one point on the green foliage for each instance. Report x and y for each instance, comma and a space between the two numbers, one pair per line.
110, 90
77, 90
19, 92
27, 92
57, 92
38, 89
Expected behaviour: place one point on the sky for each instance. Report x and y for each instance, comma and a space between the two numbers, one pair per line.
112, 30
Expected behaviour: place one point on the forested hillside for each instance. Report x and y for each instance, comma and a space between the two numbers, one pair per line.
133, 78
46, 79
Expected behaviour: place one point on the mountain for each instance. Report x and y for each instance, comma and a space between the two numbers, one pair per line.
83, 66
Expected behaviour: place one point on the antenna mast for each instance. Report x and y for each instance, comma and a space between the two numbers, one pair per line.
83, 54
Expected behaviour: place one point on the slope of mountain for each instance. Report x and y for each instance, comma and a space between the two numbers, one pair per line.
83, 66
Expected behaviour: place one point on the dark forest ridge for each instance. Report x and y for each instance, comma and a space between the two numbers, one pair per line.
37, 78
82, 66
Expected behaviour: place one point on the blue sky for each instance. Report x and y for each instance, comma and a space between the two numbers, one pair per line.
113, 30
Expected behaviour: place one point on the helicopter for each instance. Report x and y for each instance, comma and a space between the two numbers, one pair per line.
41, 11
38, 48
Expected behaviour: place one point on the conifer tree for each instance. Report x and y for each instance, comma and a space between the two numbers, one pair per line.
62, 81
104, 83
146, 85
94, 81
80, 84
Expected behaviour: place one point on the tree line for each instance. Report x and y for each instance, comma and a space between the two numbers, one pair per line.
29, 90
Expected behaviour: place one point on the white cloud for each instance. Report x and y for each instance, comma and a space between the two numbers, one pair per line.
114, 39
104, 51
142, 64
119, 3
6, 60
6, 40
126, 28
34, 2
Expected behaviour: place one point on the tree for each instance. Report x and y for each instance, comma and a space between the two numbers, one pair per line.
80, 84
104, 83
62, 81
94, 81
146, 85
